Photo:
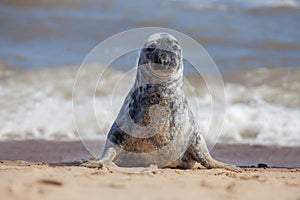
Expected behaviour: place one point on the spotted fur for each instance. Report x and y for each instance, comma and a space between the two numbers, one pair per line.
156, 106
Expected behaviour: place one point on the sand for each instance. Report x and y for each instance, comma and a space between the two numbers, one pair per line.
48, 180
41, 181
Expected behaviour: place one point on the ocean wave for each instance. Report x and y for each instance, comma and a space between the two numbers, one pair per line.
37, 104
229, 4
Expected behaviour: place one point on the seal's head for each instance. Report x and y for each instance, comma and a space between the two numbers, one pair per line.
161, 55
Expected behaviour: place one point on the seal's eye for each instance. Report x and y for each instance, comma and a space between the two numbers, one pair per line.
175, 47
151, 48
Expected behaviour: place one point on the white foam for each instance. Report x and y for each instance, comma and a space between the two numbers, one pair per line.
38, 105
262, 124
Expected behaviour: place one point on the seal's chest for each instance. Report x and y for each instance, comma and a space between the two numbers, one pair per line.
150, 103
153, 117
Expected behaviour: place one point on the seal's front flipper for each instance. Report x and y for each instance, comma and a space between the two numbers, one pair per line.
94, 164
106, 160
202, 156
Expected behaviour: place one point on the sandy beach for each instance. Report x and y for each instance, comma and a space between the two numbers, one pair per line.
21, 180
43, 170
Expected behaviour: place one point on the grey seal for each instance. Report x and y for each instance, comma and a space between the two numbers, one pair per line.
155, 125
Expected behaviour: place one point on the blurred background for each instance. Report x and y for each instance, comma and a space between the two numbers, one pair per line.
255, 44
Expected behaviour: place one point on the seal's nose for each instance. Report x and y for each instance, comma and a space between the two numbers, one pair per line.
164, 58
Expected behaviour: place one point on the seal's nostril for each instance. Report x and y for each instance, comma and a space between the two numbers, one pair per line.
164, 59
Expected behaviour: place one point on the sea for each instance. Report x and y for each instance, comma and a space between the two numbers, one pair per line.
254, 45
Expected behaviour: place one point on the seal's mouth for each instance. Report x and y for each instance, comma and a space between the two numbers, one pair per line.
161, 56
160, 70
